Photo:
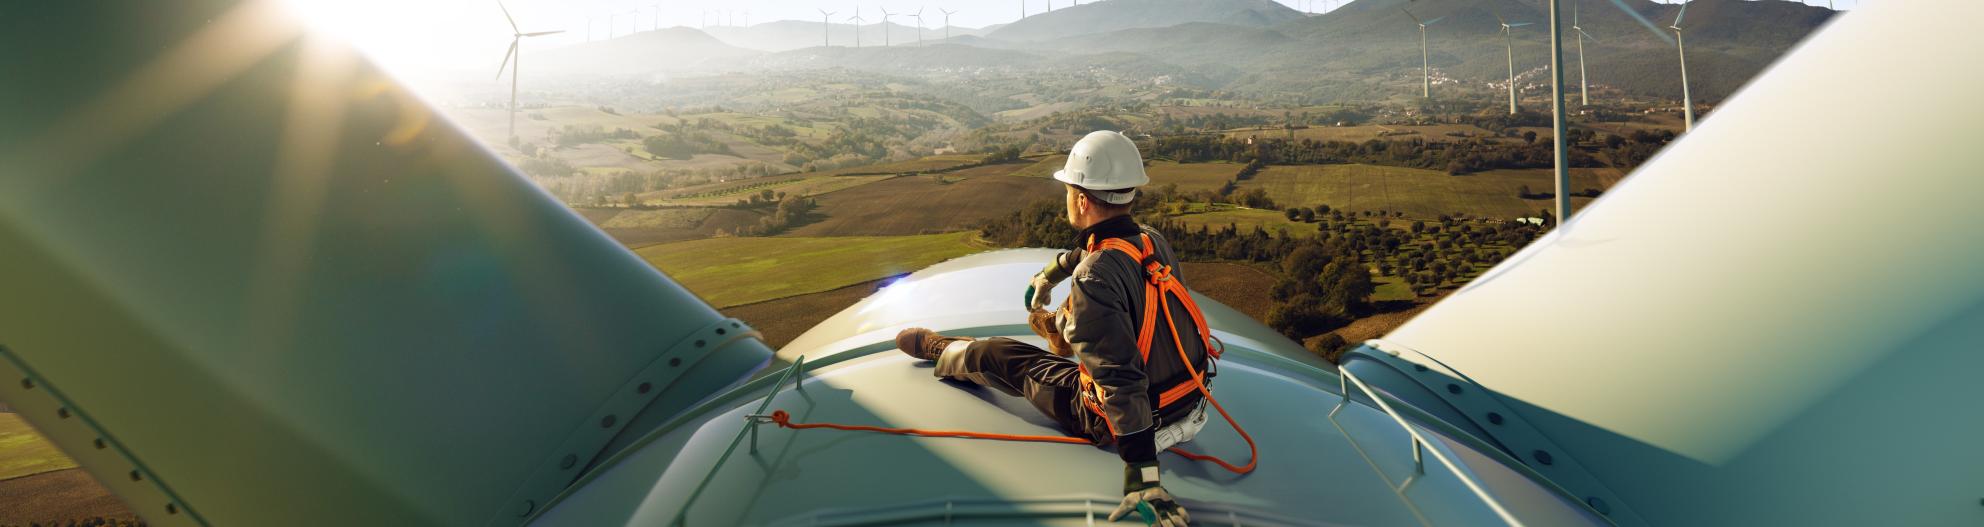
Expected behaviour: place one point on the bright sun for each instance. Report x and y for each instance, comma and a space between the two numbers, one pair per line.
409, 37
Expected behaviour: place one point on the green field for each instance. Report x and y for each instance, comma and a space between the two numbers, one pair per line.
733, 271
1391, 288
1043, 167
1358, 134
1419, 193
925, 164
1192, 176
1246, 220
23, 452
728, 193
657, 219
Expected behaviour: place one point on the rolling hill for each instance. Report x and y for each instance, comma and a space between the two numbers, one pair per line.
645, 53
1113, 15
1365, 50
1729, 41
787, 35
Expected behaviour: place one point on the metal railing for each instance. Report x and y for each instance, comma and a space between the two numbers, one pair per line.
751, 422
1419, 445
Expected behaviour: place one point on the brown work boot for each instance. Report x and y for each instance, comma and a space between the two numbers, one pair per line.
923, 343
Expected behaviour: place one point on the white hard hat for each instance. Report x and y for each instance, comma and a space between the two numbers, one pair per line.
1107, 163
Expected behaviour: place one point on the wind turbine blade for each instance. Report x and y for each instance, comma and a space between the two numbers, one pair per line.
543, 33
1650, 27
1415, 18
506, 59
1435, 21
506, 16
1520, 24
1498, 18
1684, 12
1588, 35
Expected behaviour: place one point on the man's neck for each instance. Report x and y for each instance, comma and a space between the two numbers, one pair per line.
1112, 226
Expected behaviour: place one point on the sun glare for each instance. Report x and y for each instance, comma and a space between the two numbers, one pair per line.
407, 38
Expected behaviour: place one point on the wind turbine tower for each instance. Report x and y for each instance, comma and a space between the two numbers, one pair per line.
856, 19
885, 25
1584, 85
512, 60
919, 25
826, 28
657, 14
1687, 101
947, 22
1508, 42
1425, 63
1560, 166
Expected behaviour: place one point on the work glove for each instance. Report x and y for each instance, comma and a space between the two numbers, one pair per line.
1040, 290
1142, 494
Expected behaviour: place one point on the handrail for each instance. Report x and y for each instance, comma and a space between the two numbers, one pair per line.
751, 422
1344, 378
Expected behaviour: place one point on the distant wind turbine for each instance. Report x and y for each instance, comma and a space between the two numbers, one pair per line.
1584, 84
826, 28
856, 19
1022, 9
657, 14
1508, 41
1687, 102
589, 27
635, 20
947, 22
919, 25
885, 25
512, 59
1425, 63
609, 24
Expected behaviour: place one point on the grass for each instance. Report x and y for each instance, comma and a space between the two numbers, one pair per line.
924, 205
23, 452
1359, 134
1421, 194
1246, 220
729, 193
1192, 176
660, 219
1391, 288
1044, 167
735, 271
924, 164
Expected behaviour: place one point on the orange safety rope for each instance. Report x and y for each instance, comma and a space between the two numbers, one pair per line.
1169, 289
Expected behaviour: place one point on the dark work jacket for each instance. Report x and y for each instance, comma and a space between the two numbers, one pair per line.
1104, 313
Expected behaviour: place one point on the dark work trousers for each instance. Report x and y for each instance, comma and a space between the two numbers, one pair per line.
1050, 383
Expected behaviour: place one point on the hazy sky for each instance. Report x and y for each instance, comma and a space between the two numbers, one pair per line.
417, 36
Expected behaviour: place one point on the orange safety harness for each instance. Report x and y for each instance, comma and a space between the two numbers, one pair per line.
1159, 288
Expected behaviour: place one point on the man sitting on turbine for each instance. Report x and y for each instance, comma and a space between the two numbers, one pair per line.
1138, 343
